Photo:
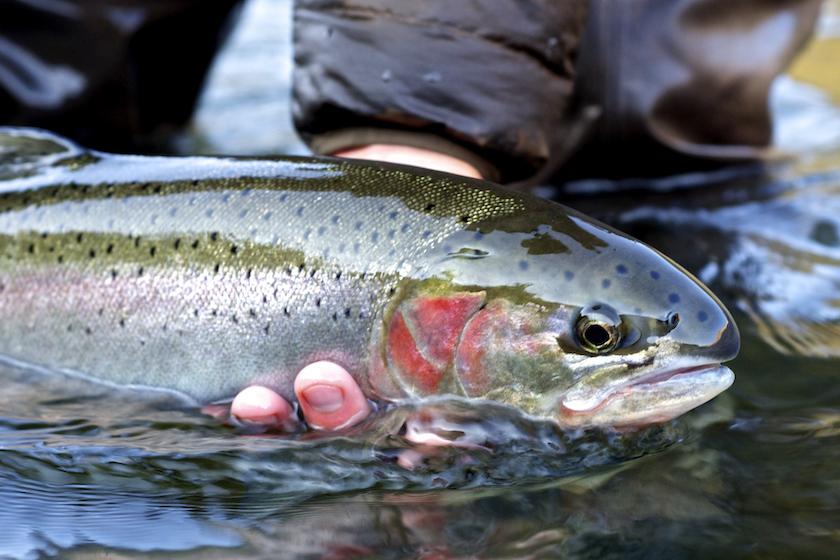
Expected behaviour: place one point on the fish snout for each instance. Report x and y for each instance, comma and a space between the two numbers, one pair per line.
711, 335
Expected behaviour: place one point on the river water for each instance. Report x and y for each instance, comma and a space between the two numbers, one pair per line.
88, 472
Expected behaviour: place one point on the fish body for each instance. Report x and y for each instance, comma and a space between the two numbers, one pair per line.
206, 275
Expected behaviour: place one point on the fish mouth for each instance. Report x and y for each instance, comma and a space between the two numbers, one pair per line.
656, 397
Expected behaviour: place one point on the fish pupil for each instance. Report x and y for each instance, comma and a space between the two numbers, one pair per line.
596, 335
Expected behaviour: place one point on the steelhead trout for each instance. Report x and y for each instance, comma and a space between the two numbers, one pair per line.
205, 275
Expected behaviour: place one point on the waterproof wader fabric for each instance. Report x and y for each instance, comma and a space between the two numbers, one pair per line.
659, 85
515, 86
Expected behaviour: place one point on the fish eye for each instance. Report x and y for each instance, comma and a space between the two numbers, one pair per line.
598, 329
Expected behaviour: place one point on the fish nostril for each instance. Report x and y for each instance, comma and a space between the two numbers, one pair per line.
672, 320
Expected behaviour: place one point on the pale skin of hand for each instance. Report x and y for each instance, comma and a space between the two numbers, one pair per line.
329, 397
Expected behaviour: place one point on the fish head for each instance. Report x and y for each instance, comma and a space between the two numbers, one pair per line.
564, 318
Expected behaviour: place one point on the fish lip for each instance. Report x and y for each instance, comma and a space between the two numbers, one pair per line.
651, 378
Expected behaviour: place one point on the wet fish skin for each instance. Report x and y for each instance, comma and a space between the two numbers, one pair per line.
205, 275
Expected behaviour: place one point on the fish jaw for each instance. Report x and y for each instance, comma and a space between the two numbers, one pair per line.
657, 397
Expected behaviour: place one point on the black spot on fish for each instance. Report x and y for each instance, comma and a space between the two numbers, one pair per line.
430, 207
44, 235
404, 228
317, 302
79, 238
312, 272
92, 254
267, 216
374, 237
177, 243
101, 311
426, 234
621, 269
214, 236
267, 326
60, 259
122, 322
338, 275
195, 244
209, 213
195, 182
215, 313
195, 312
673, 298
393, 215
465, 219
31, 248
654, 275
702, 316
283, 197
335, 219
137, 241
361, 315
110, 248
226, 197
252, 313
216, 268
69, 328
113, 273
233, 249
165, 327
152, 251
300, 211
140, 271
335, 316
265, 299
248, 274
88, 330
605, 283
523, 265
358, 225
347, 312
286, 311
235, 319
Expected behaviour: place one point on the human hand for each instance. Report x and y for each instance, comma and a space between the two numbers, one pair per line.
329, 398
408, 155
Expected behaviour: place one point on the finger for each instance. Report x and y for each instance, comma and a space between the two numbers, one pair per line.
260, 405
329, 397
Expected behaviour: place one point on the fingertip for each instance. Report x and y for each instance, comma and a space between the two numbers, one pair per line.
329, 396
261, 405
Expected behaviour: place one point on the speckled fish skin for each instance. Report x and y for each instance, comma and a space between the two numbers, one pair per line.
206, 275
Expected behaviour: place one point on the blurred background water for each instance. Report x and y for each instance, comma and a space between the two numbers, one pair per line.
89, 473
